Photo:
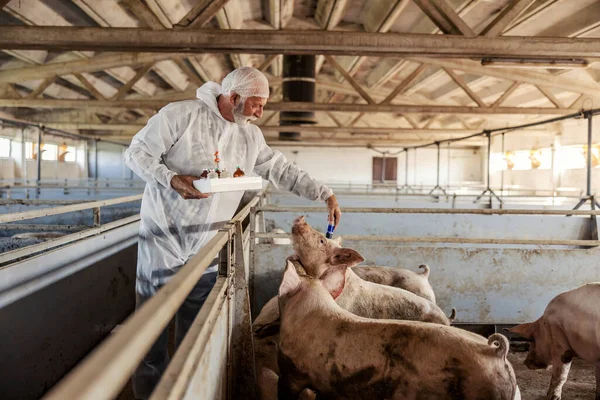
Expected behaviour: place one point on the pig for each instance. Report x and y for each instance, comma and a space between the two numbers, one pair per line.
317, 254
569, 327
342, 355
417, 283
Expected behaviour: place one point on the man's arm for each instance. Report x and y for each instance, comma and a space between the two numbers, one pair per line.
274, 167
144, 157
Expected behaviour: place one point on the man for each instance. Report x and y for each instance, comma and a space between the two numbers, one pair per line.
169, 153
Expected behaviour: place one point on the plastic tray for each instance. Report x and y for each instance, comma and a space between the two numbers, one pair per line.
229, 184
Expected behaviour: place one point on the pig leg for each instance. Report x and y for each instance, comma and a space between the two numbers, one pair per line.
560, 371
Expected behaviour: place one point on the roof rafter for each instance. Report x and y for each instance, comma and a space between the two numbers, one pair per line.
509, 14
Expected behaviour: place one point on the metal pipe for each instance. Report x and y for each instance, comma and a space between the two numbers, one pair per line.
489, 153
39, 158
502, 171
459, 240
589, 156
437, 181
483, 211
45, 212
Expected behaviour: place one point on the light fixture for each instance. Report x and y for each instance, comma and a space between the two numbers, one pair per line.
532, 63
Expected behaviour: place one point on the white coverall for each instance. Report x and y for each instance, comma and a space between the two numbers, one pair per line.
182, 139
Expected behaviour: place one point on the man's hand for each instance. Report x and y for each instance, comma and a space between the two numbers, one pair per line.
334, 211
183, 184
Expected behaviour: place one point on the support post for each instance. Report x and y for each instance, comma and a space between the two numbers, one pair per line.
23, 157
588, 192
39, 161
96, 216
502, 172
437, 184
96, 161
488, 188
243, 371
406, 186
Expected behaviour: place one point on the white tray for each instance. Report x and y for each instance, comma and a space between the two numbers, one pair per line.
229, 184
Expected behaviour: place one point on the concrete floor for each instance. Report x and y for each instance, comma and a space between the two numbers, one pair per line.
581, 384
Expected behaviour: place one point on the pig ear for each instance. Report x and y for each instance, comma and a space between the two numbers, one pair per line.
347, 257
524, 330
334, 280
291, 280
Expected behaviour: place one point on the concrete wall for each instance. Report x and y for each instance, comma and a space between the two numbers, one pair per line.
356, 165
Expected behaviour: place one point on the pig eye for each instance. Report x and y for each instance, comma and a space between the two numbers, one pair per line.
322, 241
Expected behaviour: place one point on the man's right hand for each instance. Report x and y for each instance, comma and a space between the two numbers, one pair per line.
183, 184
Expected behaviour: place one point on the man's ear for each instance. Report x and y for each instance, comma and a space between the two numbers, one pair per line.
234, 99
334, 280
524, 330
291, 280
346, 256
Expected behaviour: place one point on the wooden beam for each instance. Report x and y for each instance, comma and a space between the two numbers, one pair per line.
523, 76
460, 82
40, 89
278, 12
123, 90
143, 12
350, 80
3, 3
90, 88
509, 14
329, 13
202, 13
404, 84
292, 42
293, 106
444, 17
381, 15
267, 62
195, 79
336, 121
550, 96
93, 64
505, 95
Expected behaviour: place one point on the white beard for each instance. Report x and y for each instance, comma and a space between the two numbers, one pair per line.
239, 117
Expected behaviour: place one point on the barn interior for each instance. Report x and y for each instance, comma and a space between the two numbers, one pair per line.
461, 134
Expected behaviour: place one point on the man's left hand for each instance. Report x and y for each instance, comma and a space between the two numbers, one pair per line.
334, 211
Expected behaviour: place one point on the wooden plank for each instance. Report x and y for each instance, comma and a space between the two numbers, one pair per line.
404, 84
453, 18
143, 12
460, 82
505, 95
293, 106
93, 64
329, 13
550, 96
202, 13
523, 76
292, 42
90, 88
40, 89
195, 79
123, 90
350, 80
268, 61
509, 14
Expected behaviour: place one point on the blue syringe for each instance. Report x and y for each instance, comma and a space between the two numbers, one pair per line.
330, 228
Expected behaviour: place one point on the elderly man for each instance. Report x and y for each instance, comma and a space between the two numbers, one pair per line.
169, 153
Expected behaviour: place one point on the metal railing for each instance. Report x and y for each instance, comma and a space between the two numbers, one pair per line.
106, 370
594, 242
95, 229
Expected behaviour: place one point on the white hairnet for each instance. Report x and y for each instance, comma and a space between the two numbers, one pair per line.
247, 82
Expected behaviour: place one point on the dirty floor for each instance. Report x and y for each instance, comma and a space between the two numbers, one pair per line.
581, 384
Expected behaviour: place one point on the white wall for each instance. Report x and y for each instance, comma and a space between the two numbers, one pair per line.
355, 165
570, 132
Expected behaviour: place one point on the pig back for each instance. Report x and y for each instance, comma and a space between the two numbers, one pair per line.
398, 277
371, 300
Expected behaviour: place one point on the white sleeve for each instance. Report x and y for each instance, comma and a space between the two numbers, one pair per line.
144, 155
274, 167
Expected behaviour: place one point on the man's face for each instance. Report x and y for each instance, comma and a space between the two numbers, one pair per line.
249, 110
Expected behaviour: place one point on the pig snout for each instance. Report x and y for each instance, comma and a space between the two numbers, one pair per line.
300, 225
